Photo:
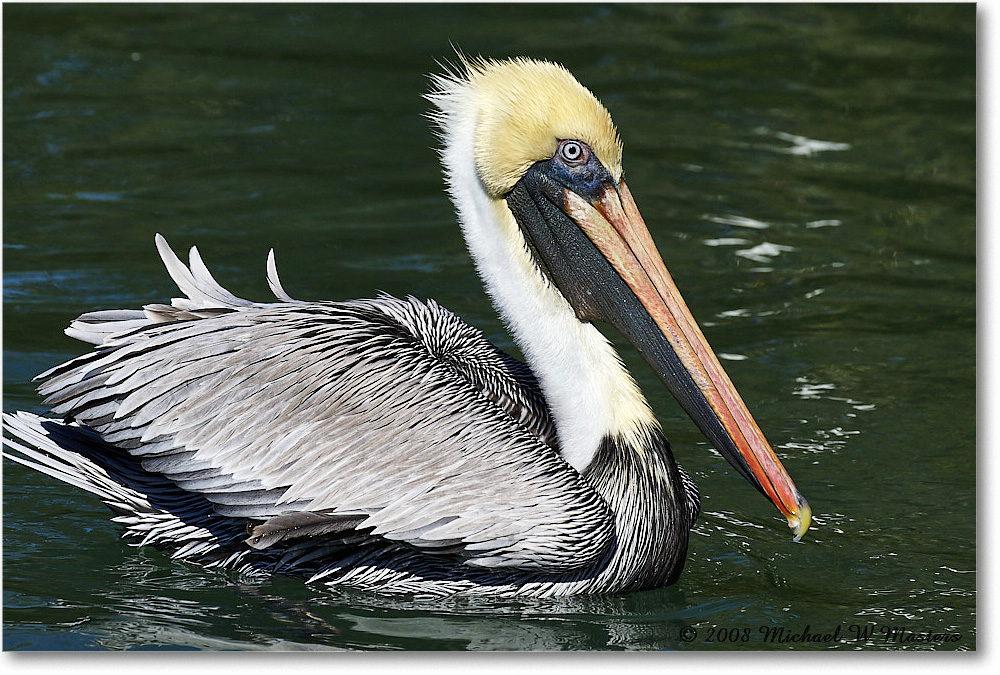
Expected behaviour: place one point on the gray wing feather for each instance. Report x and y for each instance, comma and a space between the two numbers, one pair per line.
197, 282
390, 415
272, 279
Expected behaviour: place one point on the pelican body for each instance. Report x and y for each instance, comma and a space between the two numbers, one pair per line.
386, 445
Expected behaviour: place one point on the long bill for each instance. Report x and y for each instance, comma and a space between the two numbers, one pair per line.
690, 368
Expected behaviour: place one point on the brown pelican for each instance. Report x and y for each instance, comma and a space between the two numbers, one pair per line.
384, 444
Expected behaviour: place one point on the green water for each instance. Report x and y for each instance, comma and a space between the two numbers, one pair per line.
808, 173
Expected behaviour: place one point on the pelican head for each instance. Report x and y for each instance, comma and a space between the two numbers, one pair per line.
534, 165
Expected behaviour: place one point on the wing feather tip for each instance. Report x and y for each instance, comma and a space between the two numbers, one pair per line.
273, 281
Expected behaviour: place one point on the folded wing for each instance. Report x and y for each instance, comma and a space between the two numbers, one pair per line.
388, 418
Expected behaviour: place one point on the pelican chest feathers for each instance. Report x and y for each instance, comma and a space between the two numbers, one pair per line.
384, 444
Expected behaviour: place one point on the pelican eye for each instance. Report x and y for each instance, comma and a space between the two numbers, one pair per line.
573, 153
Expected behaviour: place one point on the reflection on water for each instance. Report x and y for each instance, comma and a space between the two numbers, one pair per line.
763, 253
807, 171
800, 145
737, 221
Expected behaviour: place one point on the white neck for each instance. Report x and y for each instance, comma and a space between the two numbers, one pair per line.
586, 385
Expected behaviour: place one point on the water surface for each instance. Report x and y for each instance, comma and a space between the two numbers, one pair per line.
808, 173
